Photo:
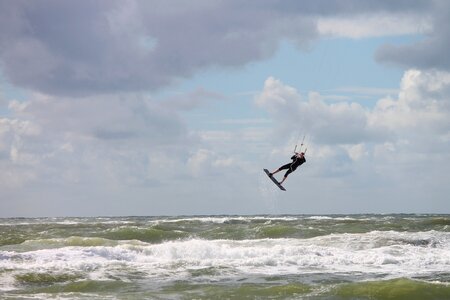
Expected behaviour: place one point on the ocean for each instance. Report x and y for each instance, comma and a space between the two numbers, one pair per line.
226, 257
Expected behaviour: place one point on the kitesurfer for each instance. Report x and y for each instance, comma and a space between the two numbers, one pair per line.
297, 160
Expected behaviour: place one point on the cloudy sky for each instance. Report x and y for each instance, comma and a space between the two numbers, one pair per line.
175, 107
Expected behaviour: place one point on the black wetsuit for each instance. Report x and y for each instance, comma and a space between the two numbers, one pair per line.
296, 161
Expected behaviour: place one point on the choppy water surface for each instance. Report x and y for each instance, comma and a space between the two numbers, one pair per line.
226, 257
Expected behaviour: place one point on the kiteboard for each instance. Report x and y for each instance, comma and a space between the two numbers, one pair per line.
274, 180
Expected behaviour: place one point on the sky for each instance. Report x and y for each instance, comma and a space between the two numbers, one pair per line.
116, 108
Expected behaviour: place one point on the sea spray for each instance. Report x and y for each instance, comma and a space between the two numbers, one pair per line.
269, 194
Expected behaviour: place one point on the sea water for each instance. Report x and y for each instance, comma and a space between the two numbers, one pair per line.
226, 257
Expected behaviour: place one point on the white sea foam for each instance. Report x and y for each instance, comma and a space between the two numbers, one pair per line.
392, 253
321, 218
225, 219
12, 222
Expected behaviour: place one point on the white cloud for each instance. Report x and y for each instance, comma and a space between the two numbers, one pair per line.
423, 105
336, 123
86, 139
356, 152
200, 162
277, 97
204, 163
374, 25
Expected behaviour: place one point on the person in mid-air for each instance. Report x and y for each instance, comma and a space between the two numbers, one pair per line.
297, 160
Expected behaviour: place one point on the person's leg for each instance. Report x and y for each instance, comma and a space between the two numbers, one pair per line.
286, 166
275, 172
289, 171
